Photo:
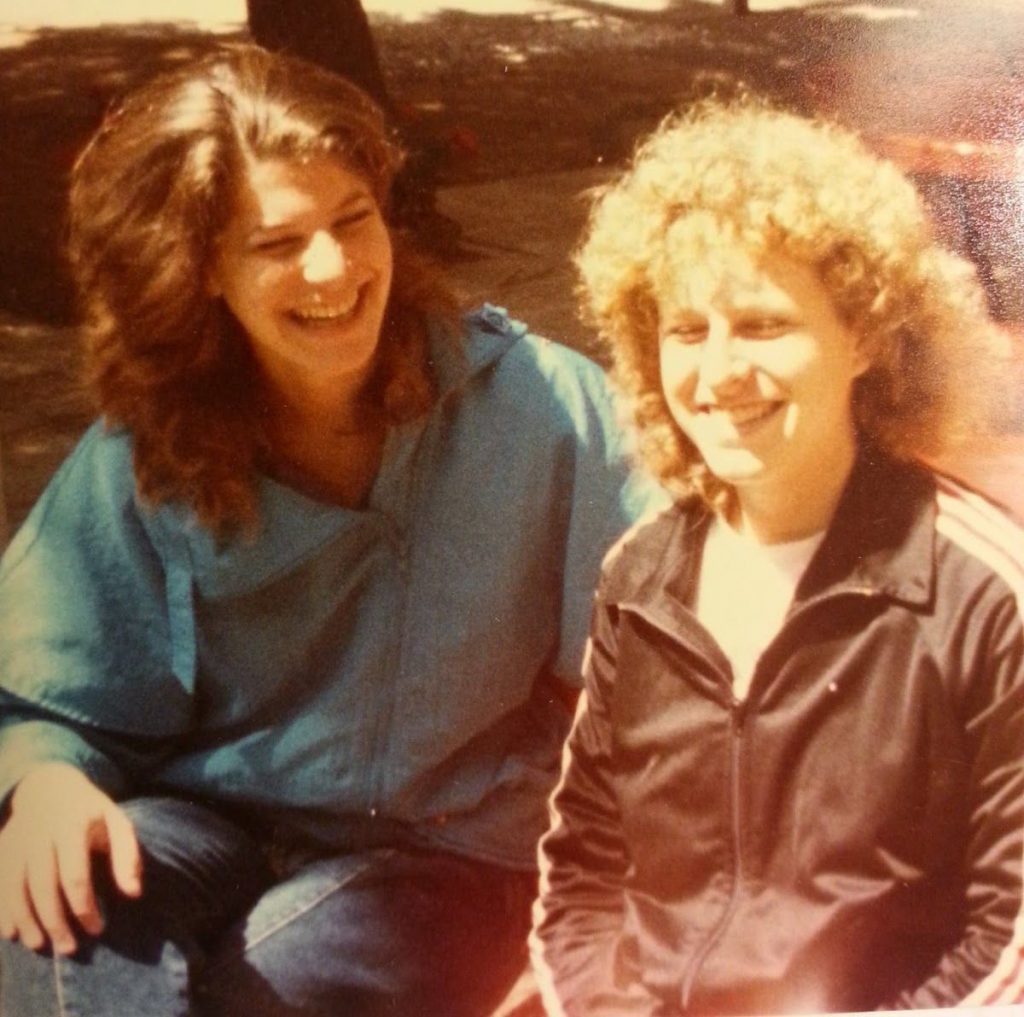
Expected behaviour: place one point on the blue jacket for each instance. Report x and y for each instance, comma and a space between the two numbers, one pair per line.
389, 673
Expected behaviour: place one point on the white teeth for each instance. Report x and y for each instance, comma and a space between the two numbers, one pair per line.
323, 312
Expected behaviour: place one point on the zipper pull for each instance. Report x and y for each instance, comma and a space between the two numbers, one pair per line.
739, 714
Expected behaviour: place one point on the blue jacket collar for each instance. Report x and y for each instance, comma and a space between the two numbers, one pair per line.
294, 526
488, 332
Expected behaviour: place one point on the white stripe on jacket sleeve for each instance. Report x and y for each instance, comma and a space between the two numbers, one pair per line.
985, 533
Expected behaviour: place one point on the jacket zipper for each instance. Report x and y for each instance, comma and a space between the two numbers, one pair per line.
737, 723
399, 536
375, 788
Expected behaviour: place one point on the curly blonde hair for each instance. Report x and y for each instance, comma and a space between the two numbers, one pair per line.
766, 181
150, 195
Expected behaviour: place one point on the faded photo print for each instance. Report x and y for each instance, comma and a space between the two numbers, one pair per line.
511, 508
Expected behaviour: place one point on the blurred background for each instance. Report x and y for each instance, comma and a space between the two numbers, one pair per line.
512, 108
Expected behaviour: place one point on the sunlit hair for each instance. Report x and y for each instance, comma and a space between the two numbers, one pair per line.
744, 178
150, 196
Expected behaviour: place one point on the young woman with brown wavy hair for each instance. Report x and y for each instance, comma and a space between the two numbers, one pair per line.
151, 201
282, 645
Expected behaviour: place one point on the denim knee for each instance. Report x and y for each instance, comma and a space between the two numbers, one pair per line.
199, 872
200, 869
376, 933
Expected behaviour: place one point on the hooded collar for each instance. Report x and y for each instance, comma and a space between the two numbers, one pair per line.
294, 526
488, 334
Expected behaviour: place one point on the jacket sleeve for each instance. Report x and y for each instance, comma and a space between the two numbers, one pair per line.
27, 742
87, 667
985, 966
578, 917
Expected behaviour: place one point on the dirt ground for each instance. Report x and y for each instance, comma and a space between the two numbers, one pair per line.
500, 99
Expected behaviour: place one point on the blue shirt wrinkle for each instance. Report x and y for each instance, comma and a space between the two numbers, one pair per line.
391, 664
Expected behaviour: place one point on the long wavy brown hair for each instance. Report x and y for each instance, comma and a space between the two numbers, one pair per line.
743, 175
150, 195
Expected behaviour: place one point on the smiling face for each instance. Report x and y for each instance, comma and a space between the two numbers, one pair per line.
758, 372
305, 266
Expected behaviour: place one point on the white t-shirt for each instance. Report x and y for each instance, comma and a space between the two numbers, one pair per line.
745, 589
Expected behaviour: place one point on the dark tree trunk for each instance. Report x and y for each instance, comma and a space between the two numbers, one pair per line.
739, 6
332, 33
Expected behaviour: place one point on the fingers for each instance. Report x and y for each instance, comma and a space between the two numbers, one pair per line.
112, 834
44, 890
47, 890
75, 870
125, 856
10, 904
17, 917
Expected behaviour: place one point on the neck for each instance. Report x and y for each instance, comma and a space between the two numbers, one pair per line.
324, 406
795, 507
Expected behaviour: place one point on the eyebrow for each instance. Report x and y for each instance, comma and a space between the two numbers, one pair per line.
683, 318
757, 305
768, 310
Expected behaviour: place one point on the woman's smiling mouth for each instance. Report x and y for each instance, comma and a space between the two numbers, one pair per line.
329, 314
744, 417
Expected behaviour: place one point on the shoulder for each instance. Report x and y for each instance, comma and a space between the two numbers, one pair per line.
550, 409
103, 455
979, 546
520, 359
94, 483
91, 508
657, 542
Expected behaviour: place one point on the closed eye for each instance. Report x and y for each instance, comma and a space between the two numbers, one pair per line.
279, 245
284, 244
688, 332
354, 218
762, 327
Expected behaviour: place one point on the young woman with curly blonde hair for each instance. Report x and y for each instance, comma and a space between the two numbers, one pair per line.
780, 184
794, 782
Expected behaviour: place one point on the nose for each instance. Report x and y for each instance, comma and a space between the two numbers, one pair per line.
721, 363
323, 259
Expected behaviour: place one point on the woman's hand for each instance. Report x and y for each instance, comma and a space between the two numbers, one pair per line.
59, 819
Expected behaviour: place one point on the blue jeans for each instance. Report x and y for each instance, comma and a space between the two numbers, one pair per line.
220, 932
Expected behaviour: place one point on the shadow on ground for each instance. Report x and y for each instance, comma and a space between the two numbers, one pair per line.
54, 90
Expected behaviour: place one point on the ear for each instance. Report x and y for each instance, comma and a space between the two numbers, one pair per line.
862, 355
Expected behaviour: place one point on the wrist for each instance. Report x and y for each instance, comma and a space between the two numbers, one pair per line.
44, 781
